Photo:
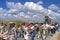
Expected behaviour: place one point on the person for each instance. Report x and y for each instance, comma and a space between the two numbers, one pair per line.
23, 29
41, 29
56, 26
5, 27
19, 31
37, 27
26, 34
48, 28
5, 35
52, 29
12, 31
32, 32
1, 27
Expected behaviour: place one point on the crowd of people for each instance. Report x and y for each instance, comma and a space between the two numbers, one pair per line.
27, 30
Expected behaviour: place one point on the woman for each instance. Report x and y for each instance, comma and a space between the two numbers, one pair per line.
26, 33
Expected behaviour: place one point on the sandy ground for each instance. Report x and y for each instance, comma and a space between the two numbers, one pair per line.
48, 38
56, 36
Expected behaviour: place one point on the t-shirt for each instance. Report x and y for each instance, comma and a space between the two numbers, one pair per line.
52, 27
26, 35
12, 31
43, 26
47, 25
23, 28
32, 27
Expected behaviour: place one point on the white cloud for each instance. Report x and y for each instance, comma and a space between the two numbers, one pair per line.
2, 10
12, 10
40, 2
53, 7
27, 16
32, 6
31, 12
15, 16
13, 5
22, 14
9, 15
58, 10
5, 14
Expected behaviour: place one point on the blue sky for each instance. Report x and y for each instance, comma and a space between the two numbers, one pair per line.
46, 2
30, 10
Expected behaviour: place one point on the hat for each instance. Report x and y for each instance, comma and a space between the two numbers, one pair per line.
10, 22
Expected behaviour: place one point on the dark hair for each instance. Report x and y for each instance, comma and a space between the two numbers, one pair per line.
52, 24
41, 23
23, 23
32, 23
12, 25
2, 23
19, 25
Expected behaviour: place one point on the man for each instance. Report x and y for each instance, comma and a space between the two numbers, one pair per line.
12, 31
32, 32
52, 28
19, 31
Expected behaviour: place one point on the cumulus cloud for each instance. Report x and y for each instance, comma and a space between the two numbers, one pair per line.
32, 6
13, 5
54, 16
53, 7
58, 11
22, 14
30, 12
2, 10
40, 2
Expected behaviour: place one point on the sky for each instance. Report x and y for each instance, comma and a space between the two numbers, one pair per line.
46, 2
30, 10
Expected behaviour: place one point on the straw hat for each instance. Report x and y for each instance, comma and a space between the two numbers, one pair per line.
11, 22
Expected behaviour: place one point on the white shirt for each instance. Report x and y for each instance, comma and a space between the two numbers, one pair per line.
32, 27
47, 25
57, 25
52, 27
26, 35
44, 26
23, 27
